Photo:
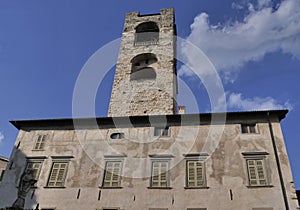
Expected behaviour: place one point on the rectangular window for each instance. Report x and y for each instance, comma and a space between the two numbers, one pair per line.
195, 174
58, 174
256, 172
112, 174
161, 131
35, 167
249, 128
40, 142
160, 174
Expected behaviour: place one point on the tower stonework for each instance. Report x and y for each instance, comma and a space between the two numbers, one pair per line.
145, 81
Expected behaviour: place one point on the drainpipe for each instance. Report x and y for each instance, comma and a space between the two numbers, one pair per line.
278, 164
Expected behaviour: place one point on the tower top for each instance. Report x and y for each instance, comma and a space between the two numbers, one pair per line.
145, 81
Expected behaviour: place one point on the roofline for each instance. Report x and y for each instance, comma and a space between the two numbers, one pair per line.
4, 158
152, 120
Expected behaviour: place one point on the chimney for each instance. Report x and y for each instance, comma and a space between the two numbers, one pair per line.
181, 109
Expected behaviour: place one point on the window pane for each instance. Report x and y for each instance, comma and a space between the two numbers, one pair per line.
112, 174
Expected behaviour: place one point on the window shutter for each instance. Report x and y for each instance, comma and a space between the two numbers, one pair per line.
256, 172
57, 175
195, 176
112, 174
159, 174
35, 167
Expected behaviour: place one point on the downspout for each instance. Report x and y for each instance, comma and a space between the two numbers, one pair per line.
278, 164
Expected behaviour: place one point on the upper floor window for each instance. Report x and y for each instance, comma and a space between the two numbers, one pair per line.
117, 136
256, 168
160, 174
195, 174
141, 66
35, 167
58, 174
112, 174
158, 131
40, 142
249, 128
146, 34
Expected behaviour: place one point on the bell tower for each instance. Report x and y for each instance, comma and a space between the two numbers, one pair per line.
145, 81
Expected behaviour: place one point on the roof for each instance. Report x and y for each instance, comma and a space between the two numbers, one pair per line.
148, 121
3, 158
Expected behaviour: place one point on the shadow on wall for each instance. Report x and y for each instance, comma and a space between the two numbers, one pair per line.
17, 188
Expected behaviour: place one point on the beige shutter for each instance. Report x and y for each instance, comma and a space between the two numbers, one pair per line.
195, 173
35, 167
256, 172
57, 175
40, 142
159, 174
112, 174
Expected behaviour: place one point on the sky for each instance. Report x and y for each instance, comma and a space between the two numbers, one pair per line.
253, 44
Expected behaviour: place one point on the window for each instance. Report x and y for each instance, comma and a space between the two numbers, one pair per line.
34, 166
160, 174
249, 128
256, 168
117, 136
195, 174
146, 34
112, 174
161, 131
141, 66
58, 174
40, 142
256, 172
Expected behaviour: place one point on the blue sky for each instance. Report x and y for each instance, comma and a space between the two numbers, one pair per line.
255, 46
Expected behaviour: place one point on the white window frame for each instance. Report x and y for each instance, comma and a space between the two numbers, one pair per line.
40, 142
106, 173
163, 131
256, 131
195, 180
160, 159
60, 160
257, 156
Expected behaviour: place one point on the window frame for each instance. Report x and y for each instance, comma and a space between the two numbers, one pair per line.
40, 140
33, 161
163, 131
257, 156
114, 159
248, 126
160, 158
59, 160
204, 185
149, 27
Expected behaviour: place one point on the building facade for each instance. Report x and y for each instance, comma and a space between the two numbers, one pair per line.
144, 155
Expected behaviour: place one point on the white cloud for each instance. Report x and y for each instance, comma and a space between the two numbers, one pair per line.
1, 136
236, 101
233, 44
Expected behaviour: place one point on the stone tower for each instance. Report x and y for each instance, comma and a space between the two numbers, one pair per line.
145, 81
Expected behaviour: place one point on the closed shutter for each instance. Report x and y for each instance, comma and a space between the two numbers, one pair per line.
159, 174
112, 174
256, 172
58, 174
40, 142
195, 176
35, 167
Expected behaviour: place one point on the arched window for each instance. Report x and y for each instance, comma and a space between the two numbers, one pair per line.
141, 67
146, 33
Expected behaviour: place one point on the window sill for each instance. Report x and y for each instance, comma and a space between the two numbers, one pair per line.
195, 188
38, 150
260, 186
160, 188
47, 187
101, 187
